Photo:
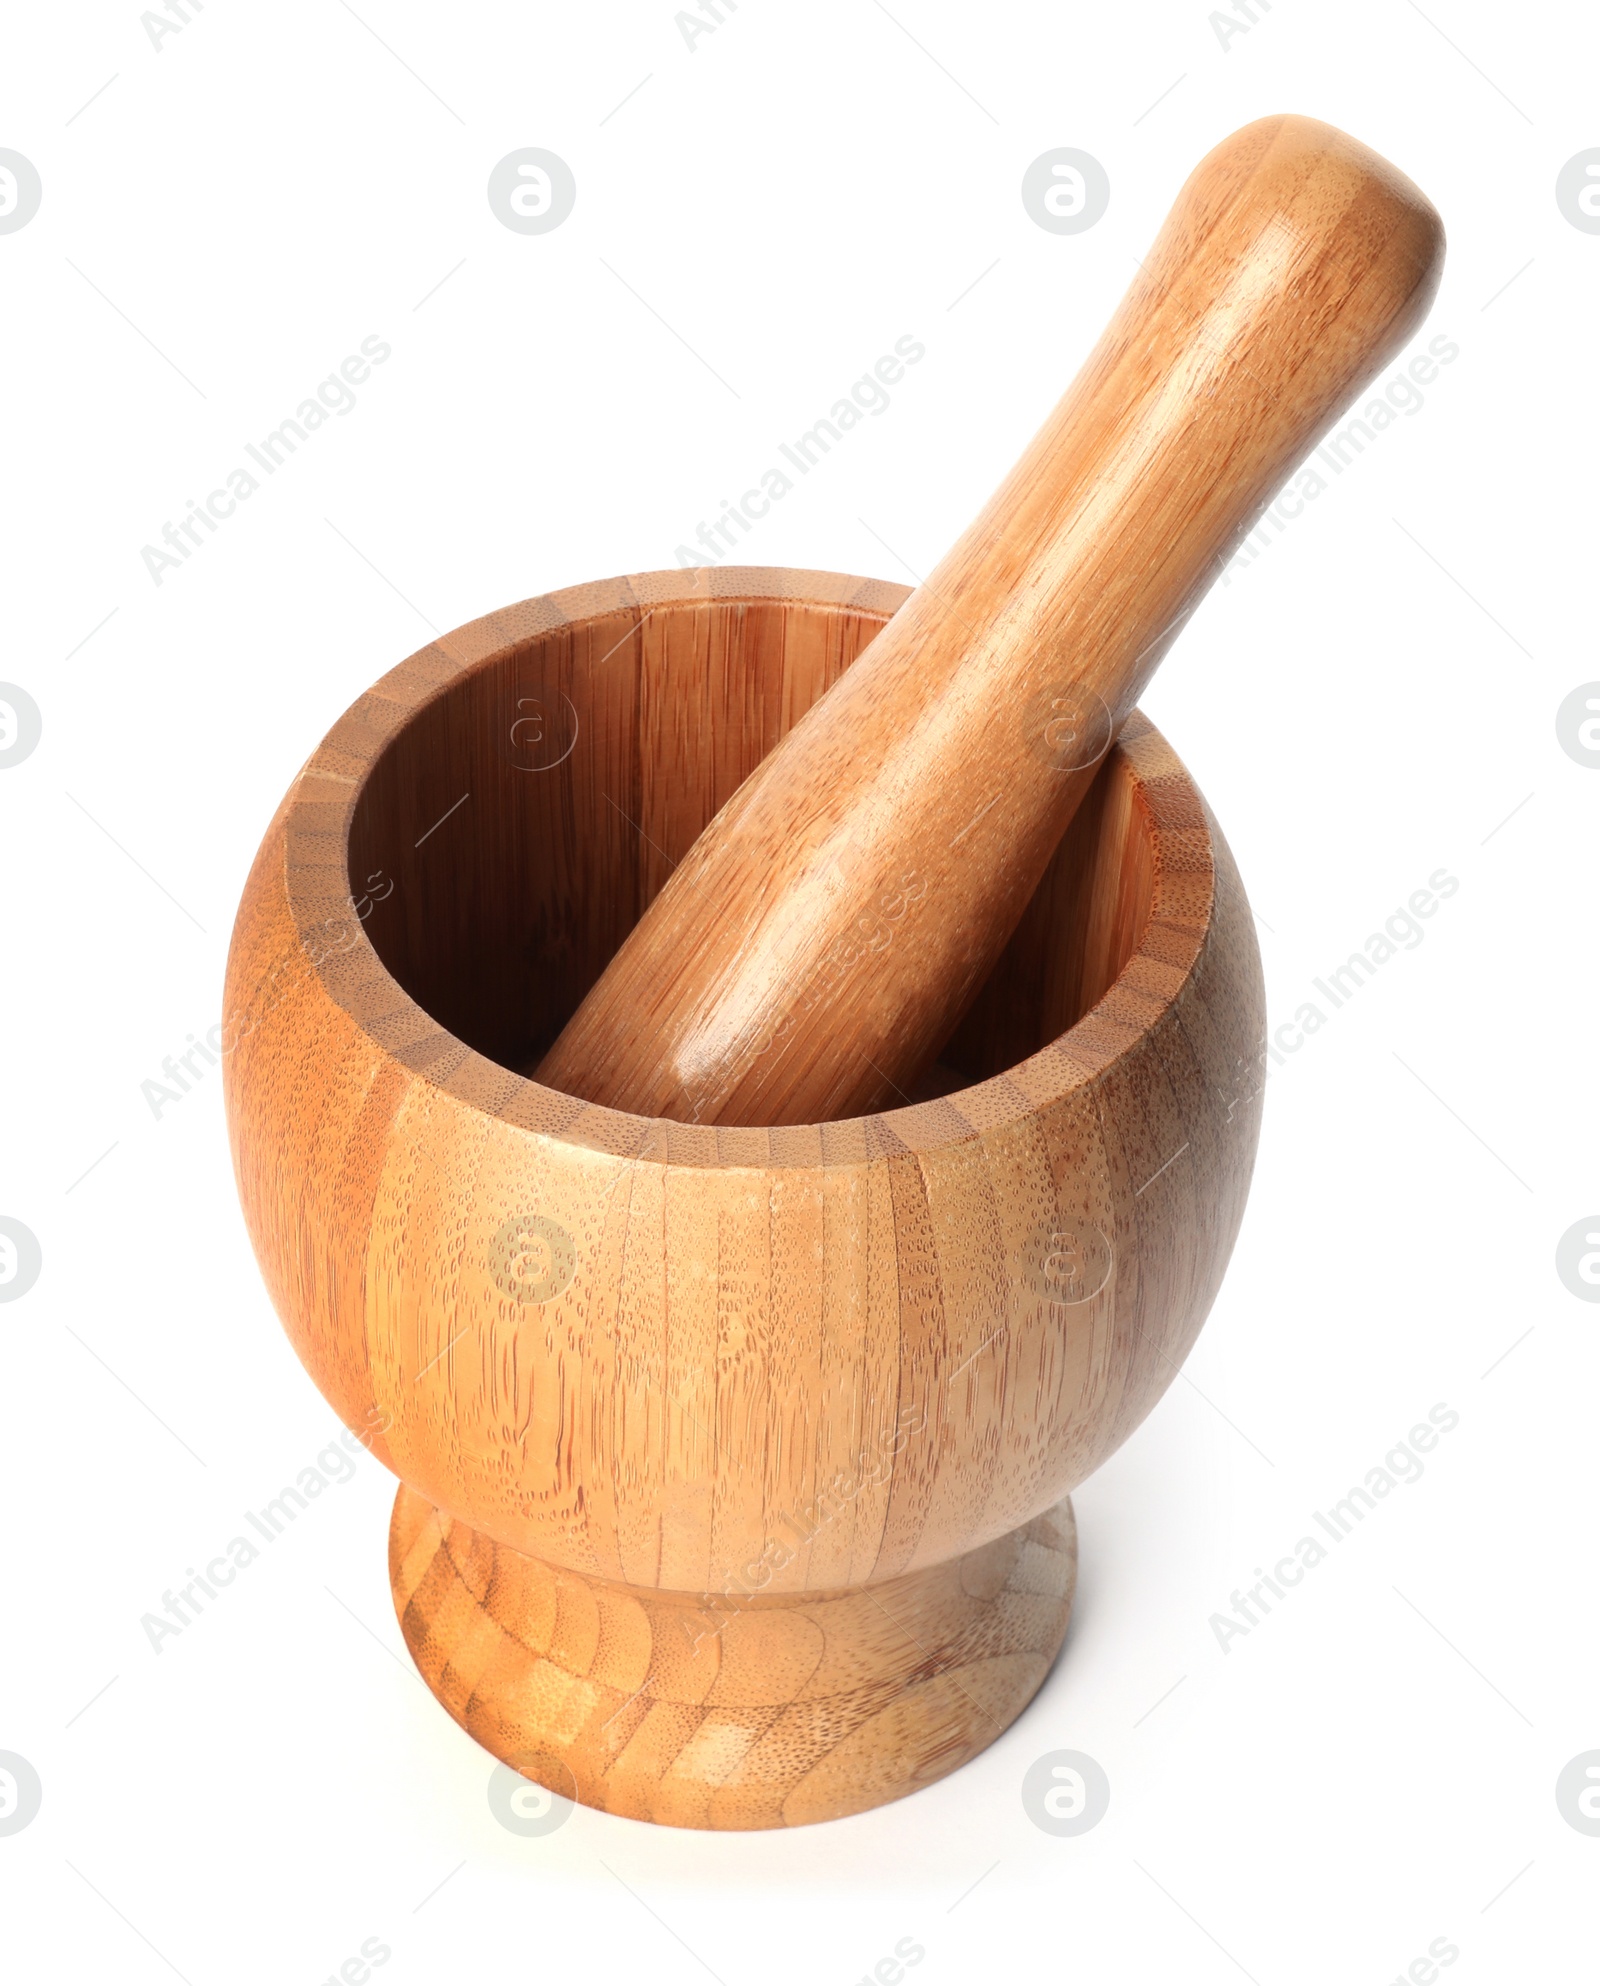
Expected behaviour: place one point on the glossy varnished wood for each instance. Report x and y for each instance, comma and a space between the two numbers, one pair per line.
793, 1363
826, 931
733, 1710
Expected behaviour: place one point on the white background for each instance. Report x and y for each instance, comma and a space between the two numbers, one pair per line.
1370, 1769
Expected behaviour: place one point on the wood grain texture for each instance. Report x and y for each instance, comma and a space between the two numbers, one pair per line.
651, 1355
825, 933
737, 1711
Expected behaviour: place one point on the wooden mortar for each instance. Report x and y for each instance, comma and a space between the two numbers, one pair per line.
735, 1460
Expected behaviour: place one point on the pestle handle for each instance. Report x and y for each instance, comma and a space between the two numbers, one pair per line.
815, 947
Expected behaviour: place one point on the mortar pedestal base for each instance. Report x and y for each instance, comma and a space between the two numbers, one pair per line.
707, 1711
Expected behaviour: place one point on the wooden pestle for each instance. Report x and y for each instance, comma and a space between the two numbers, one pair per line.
812, 951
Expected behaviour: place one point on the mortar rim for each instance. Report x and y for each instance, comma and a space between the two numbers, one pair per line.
315, 817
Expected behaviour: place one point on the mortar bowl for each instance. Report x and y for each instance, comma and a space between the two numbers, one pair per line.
735, 1461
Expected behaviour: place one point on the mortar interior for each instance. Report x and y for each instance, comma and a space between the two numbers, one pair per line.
515, 829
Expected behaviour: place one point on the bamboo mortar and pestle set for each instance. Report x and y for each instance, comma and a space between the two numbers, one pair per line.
747, 1161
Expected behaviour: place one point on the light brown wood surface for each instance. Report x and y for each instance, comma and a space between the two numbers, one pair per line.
821, 938
685, 1367
730, 1711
